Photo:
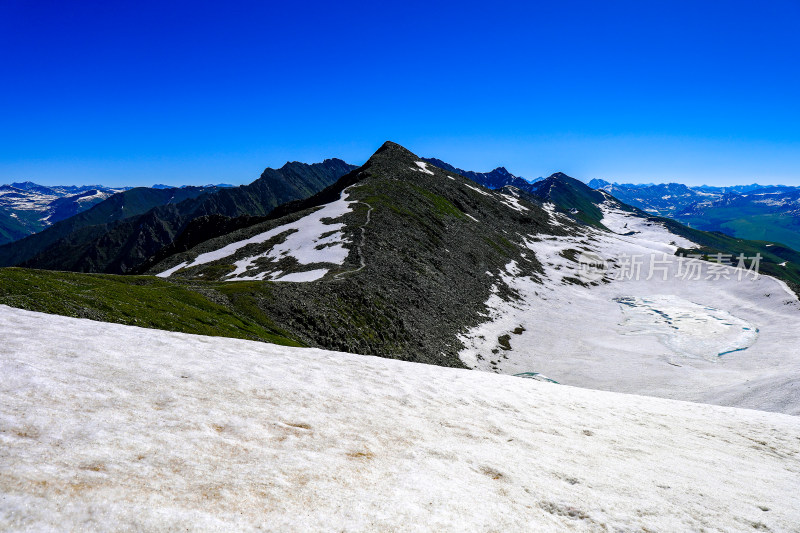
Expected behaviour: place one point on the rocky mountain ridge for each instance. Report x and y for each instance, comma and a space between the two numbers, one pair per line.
119, 236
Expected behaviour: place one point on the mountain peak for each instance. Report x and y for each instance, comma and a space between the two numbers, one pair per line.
598, 183
392, 157
24, 185
392, 149
560, 176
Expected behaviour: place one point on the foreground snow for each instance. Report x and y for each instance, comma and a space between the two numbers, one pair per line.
114, 427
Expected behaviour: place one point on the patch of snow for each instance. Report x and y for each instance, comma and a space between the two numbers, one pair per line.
170, 271
773, 202
309, 240
476, 189
98, 196
309, 275
423, 167
512, 202
554, 214
645, 231
108, 426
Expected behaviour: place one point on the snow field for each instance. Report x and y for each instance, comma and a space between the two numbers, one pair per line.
108, 426
582, 336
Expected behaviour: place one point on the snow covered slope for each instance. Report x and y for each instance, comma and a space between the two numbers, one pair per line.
114, 427
656, 331
308, 241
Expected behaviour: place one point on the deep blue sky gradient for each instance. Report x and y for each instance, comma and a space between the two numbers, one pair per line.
135, 93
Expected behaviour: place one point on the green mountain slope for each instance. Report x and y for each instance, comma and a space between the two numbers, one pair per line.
11, 228
142, 301
748, 220
777, 260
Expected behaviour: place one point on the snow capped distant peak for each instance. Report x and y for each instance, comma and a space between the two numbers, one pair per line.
37, 206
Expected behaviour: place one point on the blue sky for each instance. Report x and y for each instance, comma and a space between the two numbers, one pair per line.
135, 93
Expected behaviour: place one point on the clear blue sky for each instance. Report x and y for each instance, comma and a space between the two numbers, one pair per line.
134, 93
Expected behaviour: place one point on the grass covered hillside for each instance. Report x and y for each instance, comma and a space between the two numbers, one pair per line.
220, 310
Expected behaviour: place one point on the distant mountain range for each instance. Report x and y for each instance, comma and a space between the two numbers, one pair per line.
27, 207
760, 212
120, 234
218, 185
